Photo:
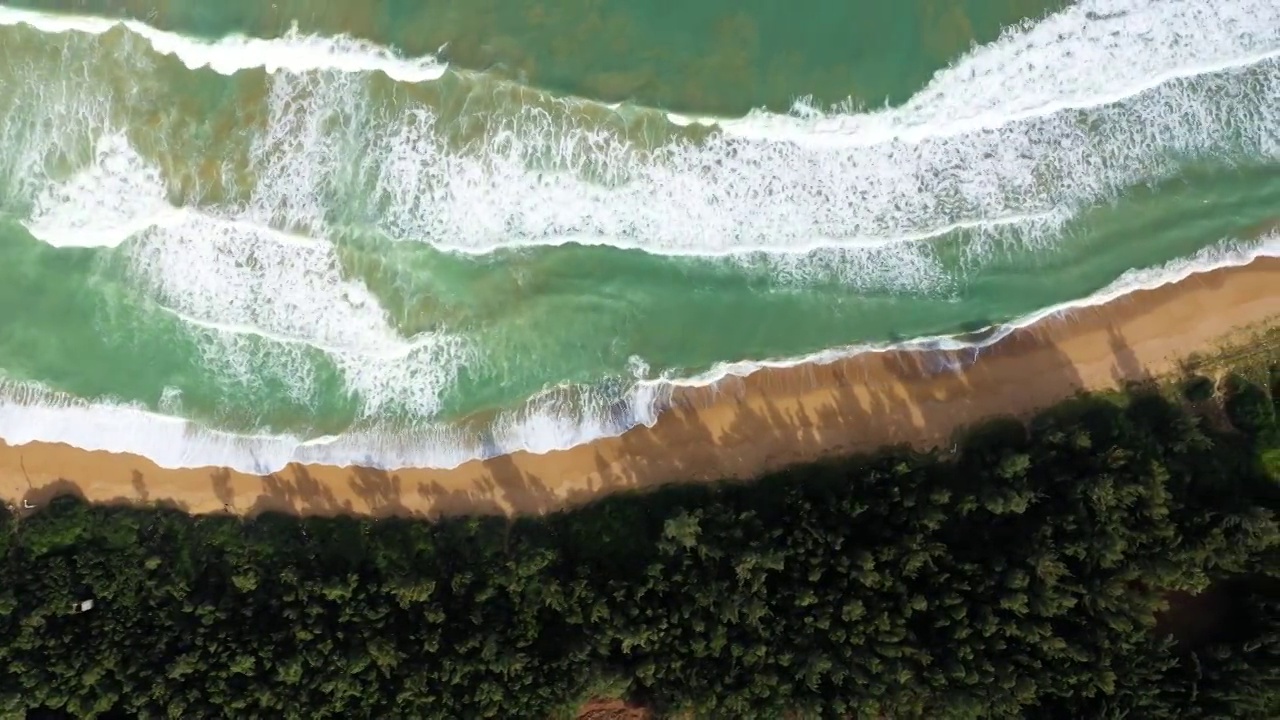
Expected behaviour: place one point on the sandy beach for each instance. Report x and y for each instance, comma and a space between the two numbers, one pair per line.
740, 428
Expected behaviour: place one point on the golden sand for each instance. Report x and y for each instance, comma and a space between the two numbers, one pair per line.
741, 428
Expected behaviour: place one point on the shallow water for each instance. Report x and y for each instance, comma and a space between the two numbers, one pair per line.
252, 223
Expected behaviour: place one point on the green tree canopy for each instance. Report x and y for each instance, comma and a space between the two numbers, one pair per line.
1044, 571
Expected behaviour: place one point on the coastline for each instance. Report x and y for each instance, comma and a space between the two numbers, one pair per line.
740, 427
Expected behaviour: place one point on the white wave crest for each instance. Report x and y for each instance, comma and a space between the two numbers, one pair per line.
293, 52
241, 285
535, 180
1093, 53
1226, 254
116, 197
33, 413
528, 176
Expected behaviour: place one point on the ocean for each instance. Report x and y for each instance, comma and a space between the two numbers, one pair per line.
402, 233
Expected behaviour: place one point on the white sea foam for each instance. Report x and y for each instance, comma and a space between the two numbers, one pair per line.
116, 197
261, 302
294, 51
243, 285
537, 179
1091, 54
30, 413
533, 177
265, 306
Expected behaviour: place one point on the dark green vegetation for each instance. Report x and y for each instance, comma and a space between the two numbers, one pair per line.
1198, 388
1119, 557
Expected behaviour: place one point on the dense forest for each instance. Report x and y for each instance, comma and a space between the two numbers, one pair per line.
1116, 557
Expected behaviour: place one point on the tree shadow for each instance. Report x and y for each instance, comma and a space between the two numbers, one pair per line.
39, 496
295, 490
504, 479
444, 500
222, 488
931, 399
747, 427
140, 487
380, 491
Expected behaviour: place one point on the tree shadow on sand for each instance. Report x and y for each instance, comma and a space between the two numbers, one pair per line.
925, 398
929, 398
741, 428
40, 495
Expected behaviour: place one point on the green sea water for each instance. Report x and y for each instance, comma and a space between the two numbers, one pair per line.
719, 57
308, 221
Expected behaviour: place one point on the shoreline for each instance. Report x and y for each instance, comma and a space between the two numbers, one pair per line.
32, 413
737, 428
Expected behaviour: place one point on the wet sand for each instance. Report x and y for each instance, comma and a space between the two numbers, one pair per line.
741, 428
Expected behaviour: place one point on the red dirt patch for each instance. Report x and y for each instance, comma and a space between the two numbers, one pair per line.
612, 710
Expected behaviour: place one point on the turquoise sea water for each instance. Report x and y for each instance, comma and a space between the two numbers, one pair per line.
412, 233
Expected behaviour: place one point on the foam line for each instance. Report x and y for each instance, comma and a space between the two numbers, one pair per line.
1207, 260
293, 52
394, 352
